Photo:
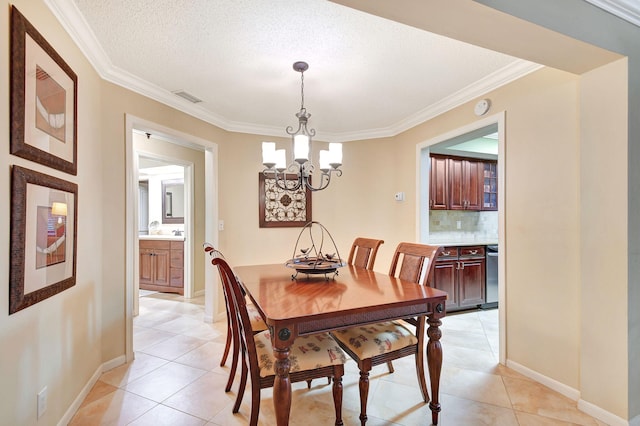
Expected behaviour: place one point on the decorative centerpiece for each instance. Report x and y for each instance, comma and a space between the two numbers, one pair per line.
311, 257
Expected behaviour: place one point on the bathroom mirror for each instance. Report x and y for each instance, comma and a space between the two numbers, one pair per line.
173, 201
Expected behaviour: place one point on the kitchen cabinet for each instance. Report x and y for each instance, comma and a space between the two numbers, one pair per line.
438, 184
162, 266
460, 271
457, 183
490, 186
465, 189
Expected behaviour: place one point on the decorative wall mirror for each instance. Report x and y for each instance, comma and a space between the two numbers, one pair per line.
173, 201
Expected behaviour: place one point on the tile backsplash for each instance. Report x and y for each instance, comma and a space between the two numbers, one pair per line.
472, 223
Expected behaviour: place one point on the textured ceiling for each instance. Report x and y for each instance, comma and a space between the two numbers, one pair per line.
367, 77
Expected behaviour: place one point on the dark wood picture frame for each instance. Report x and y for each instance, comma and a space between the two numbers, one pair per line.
43, 249
282, 209
44, 100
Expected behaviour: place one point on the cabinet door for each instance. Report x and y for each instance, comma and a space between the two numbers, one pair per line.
146, 266
444, 278
490, 185
456, 184
438, 184
161, 260
465, 185
471, 281
473, 184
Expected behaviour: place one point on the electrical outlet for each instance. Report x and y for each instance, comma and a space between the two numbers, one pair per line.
459, 224
221, 225
42, 401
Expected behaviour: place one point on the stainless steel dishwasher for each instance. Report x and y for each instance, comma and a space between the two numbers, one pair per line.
491, 278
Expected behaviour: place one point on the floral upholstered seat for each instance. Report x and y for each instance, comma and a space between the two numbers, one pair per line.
307, 353
376, 339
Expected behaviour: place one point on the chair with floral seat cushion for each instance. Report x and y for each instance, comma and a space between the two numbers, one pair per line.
310, 357
381, 343
363, 252
257, 324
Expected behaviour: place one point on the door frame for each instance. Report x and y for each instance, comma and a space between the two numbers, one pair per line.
422, 206
210, 150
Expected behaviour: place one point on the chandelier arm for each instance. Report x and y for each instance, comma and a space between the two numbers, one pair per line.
290, 131
325, 179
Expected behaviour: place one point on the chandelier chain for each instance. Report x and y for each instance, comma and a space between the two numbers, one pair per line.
302, 90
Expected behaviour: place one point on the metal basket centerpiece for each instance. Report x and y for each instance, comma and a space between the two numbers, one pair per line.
311, 257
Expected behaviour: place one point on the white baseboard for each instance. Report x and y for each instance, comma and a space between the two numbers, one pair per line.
605, 416
73, 408
565, 390
574, 394
199, 293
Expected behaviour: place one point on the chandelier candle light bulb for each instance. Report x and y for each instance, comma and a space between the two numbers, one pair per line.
335, 155
301, 148
269, 154
325, 160
281, 160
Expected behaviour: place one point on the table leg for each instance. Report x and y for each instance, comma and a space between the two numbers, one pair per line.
434, 358
282, 386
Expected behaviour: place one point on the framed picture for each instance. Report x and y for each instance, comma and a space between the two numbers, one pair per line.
44, 213
280, 208
44, 100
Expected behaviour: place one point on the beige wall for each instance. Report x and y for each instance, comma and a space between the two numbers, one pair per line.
58, 342
551, 154
603, 198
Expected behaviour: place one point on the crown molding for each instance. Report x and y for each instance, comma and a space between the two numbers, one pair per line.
74, 23
505, 75
629, 10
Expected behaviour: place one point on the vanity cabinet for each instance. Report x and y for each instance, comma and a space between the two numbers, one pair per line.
460, 271
457, 183
162, 266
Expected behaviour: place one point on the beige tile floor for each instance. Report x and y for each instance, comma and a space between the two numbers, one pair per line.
176, 380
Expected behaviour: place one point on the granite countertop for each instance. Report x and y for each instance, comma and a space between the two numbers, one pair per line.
162, 237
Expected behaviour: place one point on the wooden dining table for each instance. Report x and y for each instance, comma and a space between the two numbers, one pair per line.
317, 303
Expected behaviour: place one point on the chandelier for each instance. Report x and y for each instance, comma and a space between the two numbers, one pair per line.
298, 174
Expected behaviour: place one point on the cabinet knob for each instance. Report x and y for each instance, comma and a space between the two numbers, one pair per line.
474, 251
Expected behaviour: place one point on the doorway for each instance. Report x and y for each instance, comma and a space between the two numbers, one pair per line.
462, 142
165, 216
206, 226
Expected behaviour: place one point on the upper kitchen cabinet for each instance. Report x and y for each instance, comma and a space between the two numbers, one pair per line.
490, 186
458, 183
464, 184
438, 184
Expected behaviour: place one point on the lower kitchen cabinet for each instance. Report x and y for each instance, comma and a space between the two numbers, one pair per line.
460, 271
162, 266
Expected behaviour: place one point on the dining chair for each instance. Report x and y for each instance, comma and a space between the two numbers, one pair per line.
381, 343
311, 357
257, 324
363, 252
